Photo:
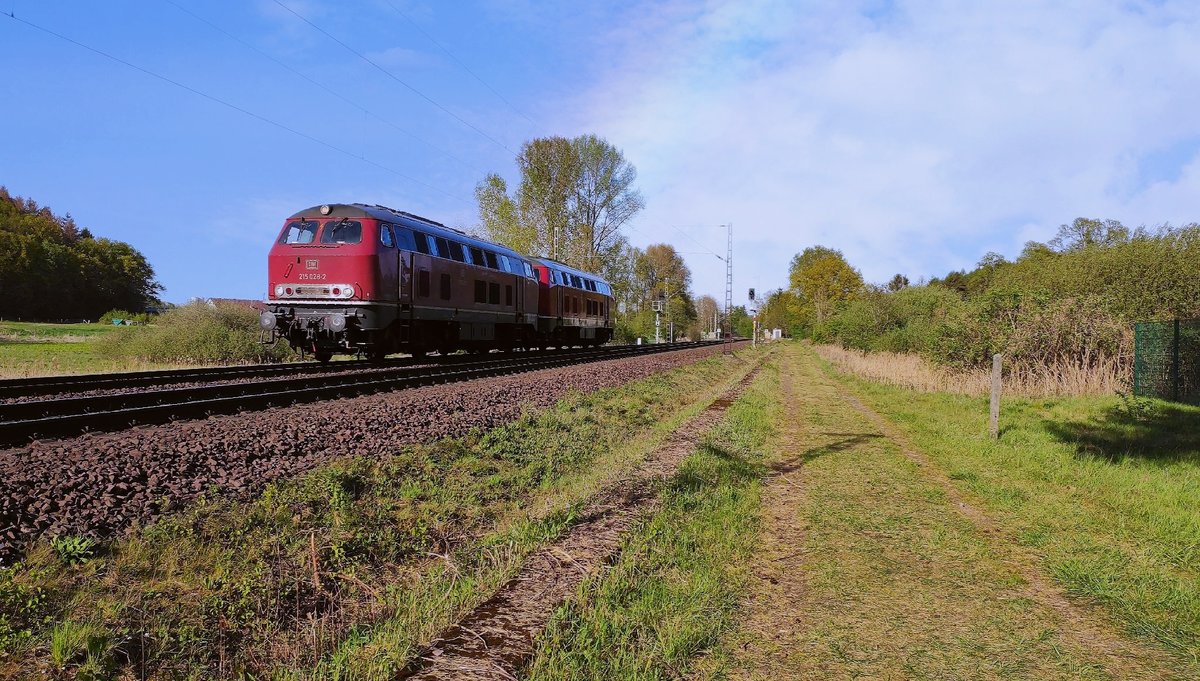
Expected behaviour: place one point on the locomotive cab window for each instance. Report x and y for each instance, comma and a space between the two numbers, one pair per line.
456, 252
299, 232
491, 261
443, 247
385, 235
422, 242
342, 232
477, 257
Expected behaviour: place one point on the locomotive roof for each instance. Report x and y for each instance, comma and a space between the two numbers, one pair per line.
363, 210
547, 262
377, 212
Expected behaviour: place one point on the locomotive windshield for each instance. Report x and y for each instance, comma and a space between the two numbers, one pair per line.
342, 232
299, 232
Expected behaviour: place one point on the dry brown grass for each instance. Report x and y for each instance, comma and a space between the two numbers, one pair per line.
906, 370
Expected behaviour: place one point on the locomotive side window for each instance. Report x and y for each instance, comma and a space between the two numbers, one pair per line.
480, 291
503, 263
456, 252
404, 238
477, 257
443, 246
423, 283
299, 232
528, 270
576, 281
492, 263
422, 242
445, 281
385, 235
342, 232
493, 293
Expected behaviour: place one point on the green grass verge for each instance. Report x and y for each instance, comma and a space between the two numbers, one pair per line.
1106, 491
32, 349
675, 588
343, 572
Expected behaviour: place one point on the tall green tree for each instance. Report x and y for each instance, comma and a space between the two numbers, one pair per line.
573, 197
51, 269
822, 279
662, 274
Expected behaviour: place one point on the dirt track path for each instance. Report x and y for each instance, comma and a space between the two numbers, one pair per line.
497, 638
873, 565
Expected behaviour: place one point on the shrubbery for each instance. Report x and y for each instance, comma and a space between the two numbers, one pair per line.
126, 316
197, 333
1071, 302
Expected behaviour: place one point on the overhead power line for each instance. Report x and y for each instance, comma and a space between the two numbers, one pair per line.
693, 240
460, 62
230, 105
324, 87
394, 77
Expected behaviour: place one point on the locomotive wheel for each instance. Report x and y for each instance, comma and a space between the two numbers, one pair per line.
323, 356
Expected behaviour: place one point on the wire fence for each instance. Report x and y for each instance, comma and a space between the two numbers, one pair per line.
1166, 360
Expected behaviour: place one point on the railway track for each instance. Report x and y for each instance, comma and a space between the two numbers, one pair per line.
64, 385
66, 416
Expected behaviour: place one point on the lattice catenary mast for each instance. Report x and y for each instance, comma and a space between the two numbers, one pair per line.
729, 292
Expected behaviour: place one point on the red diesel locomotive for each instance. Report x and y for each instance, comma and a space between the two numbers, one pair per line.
353, 278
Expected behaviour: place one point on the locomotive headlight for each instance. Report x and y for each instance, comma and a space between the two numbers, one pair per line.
336, 322
278, 290
348, 291
267, 321
326, 209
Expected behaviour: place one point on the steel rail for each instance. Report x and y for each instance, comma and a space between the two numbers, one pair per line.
62, 385
40, 386
20, 422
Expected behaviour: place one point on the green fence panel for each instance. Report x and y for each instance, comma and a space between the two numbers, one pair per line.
1166, 360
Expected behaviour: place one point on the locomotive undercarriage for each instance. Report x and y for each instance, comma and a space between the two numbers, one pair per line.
379, 330
323, 330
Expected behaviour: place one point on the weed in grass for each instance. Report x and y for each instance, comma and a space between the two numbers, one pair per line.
73, 549
85, 645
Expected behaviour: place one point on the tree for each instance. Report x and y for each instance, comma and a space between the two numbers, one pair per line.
822, 279
781, 310
897, 282
570, 204
605, 198
707, 310
661, 274
1086, 233
51, 269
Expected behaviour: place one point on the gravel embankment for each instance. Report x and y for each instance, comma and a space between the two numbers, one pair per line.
98, 485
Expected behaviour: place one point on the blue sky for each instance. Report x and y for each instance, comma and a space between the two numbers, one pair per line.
913, 136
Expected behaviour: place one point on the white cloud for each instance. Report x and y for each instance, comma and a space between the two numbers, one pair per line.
914, 138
